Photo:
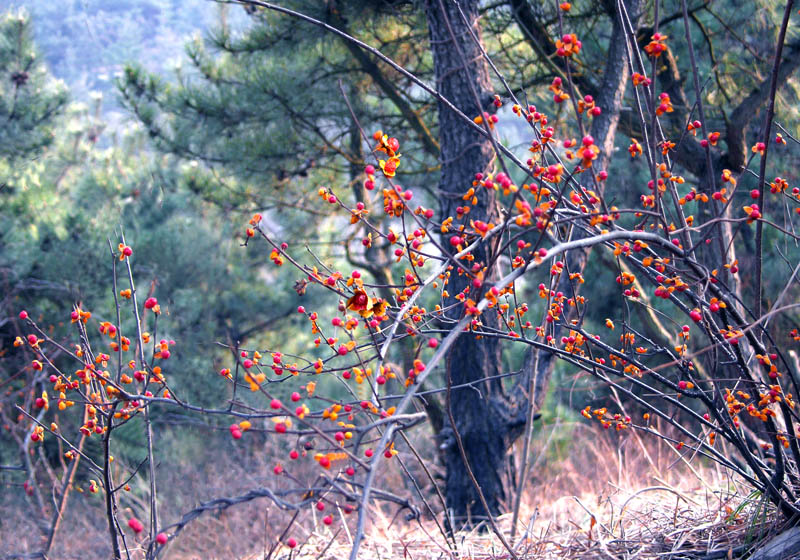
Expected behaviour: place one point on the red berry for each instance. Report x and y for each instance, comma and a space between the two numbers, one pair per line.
293, 454
754, 194
291, 543
136, 525
433, 343
161, 539
150, 303
368, 453
327, 520
275, 404
23, 315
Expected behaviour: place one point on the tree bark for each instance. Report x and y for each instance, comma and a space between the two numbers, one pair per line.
488, 421
462, 75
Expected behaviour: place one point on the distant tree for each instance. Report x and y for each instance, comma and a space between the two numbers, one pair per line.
30, 98
87, 42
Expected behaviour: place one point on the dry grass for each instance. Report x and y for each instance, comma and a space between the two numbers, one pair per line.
654, 524
605, 500
599, 496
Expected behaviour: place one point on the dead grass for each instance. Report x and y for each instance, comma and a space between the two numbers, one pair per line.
599, 496
605, 500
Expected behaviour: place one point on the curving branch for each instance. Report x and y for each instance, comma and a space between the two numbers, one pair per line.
387, 87
741, 117
689, 154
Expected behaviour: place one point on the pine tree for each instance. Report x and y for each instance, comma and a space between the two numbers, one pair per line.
30, 98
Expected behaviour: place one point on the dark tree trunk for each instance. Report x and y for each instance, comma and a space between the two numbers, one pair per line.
461, 75
488, 421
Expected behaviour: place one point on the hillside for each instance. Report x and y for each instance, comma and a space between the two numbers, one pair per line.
87, 42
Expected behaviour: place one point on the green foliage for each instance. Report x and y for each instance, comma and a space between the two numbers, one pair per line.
30, 99
262, 103
86, 186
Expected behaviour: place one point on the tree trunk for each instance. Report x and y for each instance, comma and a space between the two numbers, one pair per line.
461, 75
